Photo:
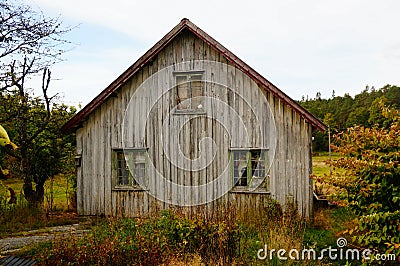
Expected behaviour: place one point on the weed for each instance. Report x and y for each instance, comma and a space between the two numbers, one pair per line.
19, 217
215, 237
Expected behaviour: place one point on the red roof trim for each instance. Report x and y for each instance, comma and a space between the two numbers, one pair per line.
76, 121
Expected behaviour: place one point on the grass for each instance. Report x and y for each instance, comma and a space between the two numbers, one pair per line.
327, 226
20, 218
171, 238
326, 229
56, 188
321, 162
227, 237
329, 223
16, 219
322, 176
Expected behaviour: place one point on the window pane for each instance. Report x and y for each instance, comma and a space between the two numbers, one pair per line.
255, 157
139, 170
138, 166
196, 77
181, 79
122, 171
197, 92
240, 168
139, 156
196, 85
258, 163
183, 93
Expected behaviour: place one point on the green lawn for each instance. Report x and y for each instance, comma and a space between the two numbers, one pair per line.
321, 162
15, 219
56, 188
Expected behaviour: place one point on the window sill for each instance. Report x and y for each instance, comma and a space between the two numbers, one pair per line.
189, 112
128, 188
245, 190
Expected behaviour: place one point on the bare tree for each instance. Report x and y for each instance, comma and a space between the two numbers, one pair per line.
30, 43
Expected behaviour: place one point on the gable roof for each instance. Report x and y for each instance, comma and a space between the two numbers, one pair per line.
78, 119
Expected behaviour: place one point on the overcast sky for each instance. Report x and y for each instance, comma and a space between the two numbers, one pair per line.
303, 47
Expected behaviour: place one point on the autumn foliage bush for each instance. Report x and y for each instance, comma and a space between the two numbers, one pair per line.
371, 183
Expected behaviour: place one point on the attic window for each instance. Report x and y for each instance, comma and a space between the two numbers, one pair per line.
189, 91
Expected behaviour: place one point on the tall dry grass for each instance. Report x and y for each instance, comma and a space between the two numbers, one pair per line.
21, 216
224, 235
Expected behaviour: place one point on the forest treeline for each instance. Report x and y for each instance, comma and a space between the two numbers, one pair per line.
342, 112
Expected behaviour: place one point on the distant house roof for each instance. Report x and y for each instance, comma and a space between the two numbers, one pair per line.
77, 120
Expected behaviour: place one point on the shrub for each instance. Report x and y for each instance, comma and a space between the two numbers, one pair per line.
372, 182
173, 236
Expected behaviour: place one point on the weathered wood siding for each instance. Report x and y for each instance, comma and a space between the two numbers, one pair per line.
102, 131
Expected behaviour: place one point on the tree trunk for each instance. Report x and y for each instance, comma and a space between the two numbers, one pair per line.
34, 196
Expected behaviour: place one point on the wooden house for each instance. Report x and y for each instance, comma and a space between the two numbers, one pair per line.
191, 124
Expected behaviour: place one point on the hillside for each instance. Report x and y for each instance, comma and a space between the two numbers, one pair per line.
342, 112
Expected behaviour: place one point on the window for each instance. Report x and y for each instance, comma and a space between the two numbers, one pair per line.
189, 91
249, 167
129, 168
123, 175
240, 168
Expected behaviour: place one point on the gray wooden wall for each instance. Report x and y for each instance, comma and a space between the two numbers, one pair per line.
290, 153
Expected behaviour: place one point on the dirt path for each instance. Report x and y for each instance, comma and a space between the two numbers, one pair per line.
13, 244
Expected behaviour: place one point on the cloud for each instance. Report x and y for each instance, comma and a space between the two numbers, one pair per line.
301, 46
